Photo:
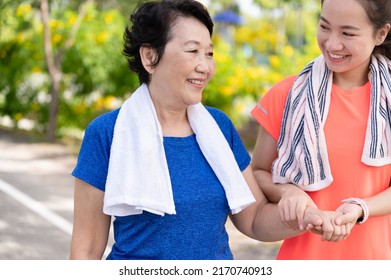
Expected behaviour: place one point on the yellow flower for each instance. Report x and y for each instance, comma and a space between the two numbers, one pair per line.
102, 37
18, 116
240, 106
227, 91
35, 107
79, 108
21, 37
254, 73
274, 61
72, 20
36, 69
53, 23
23, 9
108, 18
244, 34
288, 51
39, 29
109, 101
57, 38
236, 81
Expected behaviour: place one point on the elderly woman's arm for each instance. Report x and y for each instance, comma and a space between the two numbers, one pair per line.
91, 226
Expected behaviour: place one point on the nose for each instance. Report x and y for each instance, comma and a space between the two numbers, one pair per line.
204, 64
334, 43
201, 68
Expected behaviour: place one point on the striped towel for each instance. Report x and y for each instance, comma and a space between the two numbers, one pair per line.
302, 152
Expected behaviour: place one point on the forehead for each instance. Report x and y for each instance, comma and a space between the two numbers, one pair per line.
189, 29
345, 13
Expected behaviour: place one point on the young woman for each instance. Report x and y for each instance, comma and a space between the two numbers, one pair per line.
325, 136
169, 170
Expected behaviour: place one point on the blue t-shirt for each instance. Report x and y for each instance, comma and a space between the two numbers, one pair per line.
197, 230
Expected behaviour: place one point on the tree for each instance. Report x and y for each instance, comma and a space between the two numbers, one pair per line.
54, 61
77, 58
282, 9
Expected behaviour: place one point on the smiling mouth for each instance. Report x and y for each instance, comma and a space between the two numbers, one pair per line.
196, 82
336, 56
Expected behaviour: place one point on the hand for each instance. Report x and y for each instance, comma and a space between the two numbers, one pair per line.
348, 215
292, 206
324, 223
313, 220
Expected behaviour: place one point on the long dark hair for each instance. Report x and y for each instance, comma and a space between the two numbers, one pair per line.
379, 14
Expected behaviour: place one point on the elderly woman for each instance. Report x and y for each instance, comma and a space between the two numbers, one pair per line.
167, 168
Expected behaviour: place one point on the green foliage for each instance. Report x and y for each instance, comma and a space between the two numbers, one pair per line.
21, 59
95, 77
95, 74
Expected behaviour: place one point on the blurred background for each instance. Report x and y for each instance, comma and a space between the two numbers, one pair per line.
61, 66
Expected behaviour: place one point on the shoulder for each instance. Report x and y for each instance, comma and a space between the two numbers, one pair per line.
225, 124
275, 98
282, 87
104, 120
218, 114
221, 118
101, 130
103, 124
269, 110
232, 136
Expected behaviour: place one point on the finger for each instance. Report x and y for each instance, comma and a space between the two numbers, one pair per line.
344, 232
293, 216
328, 230
349, 227
300, 216
336, 233
315, 229
289, 215
284, 216
345, 219
315, 220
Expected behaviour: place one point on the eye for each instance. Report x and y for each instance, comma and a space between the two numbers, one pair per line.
324, 27
210, 54
348, 34
193, 51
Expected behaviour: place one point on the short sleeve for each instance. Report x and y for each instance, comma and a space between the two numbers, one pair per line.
93, 159
242, 157
269, 110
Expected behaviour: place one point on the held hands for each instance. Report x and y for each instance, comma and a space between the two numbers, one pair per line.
298, 211
332, 225
292, 206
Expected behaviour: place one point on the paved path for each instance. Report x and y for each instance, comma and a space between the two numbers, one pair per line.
36, 198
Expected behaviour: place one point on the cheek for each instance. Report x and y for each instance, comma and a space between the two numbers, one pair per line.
363, 48
320, 39
212, 68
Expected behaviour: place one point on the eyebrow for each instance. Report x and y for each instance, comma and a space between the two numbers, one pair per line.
197, 43
343, 26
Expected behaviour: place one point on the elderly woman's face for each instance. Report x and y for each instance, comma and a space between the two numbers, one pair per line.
187, 64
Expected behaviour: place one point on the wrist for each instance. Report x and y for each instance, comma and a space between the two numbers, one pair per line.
362, 203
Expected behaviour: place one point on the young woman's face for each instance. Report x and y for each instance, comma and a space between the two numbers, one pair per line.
187, 64
346, 38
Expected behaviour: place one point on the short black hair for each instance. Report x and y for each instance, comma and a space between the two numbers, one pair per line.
151, 23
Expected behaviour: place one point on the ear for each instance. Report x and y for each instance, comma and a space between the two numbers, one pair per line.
382, 34
148, 57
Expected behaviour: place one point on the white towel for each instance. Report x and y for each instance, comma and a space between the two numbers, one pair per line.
302, 152
138, 179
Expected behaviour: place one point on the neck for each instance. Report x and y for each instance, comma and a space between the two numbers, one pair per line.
174, 123
173, 120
